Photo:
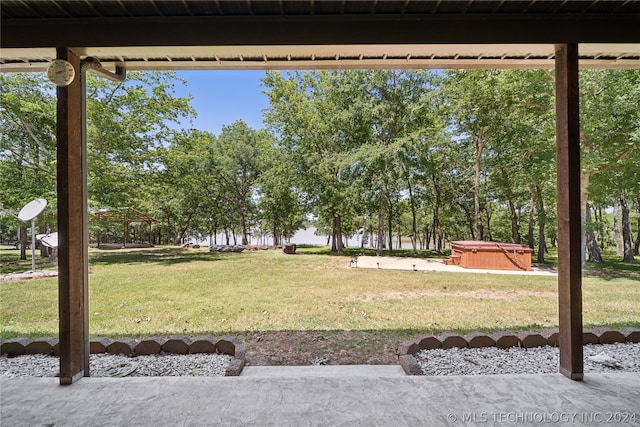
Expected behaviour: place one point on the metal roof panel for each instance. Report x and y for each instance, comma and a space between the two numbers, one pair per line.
79, 9
173, 8
208, 8
26, 9
110, 9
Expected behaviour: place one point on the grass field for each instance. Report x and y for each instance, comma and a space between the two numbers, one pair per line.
164, 291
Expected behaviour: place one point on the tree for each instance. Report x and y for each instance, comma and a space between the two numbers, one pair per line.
525, 148
307, 113
27, 148
402, 121
626, 230
179, 185
235, 165
610, 117
281, 206
617, 186
473, 98
503, 119
127, 122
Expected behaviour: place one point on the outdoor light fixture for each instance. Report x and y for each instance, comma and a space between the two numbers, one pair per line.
93, 64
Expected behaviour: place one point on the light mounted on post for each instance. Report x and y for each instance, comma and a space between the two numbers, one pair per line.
93, 64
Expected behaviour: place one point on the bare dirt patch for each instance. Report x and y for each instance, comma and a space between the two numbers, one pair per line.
291, 348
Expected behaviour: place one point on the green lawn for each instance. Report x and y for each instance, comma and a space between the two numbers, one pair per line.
164, 291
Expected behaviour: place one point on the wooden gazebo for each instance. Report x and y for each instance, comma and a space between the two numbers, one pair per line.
124, 216
314, 34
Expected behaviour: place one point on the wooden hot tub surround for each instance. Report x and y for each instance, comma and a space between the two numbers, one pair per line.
490, 255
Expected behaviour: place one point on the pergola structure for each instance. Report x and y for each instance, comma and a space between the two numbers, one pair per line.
316, 34
124, 216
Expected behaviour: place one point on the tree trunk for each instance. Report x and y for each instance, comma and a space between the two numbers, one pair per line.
243, 228
636, 247
592, 243
532, 211
626, 230
276, 235
53, 257
515, 227
390, 225
23, 242
414, 223
542, 220
603, 230
181, 236
427, 237
470, 220
381, 213
489, 215
437, 227
337, 234
44, 251
617, 233
584, 198
479, 146
334, 246
371, 239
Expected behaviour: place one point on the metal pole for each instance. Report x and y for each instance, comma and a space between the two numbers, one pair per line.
33, 245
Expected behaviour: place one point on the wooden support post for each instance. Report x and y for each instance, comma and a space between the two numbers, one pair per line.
72, 227
569, 218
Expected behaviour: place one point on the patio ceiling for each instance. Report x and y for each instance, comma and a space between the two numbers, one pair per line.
438, 56
320, 34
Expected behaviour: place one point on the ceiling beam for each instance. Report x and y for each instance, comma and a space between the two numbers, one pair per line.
313, 30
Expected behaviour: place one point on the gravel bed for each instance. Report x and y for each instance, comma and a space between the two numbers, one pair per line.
620, 357
117, 365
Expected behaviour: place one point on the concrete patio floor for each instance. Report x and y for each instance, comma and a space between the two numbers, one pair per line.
294, 396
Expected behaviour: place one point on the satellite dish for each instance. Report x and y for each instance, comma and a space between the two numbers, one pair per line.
29, 213
32, 209
49, 240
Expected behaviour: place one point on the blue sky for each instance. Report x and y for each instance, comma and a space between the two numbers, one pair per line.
221, 97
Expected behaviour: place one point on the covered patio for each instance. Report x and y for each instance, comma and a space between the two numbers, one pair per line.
560, 35
125, 216
290, 397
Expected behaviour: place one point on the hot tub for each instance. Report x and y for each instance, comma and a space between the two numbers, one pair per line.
490, 255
